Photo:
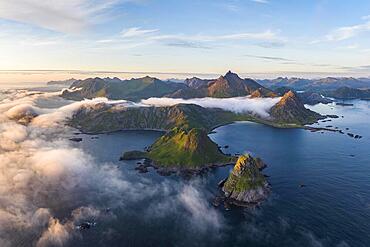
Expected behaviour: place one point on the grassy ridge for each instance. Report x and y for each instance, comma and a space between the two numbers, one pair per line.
186, 148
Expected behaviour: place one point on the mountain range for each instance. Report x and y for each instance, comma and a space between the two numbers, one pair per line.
229, 85
328, 83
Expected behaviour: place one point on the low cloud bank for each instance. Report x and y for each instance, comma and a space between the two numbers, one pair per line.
256, 106
47, 185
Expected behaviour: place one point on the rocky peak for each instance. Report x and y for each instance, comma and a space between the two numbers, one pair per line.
290, 99
230, 76
291, 110
243, 162
246, 184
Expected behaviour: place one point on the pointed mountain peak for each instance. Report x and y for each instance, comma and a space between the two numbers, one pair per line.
289, 94
290, 98
231, 75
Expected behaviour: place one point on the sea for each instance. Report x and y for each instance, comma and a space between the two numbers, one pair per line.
320, 190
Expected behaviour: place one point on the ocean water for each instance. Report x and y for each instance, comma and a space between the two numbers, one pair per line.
333, 209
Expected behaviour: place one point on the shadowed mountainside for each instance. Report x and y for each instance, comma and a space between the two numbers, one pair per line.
230, 85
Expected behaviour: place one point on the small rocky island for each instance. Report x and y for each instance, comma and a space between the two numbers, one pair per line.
246, 185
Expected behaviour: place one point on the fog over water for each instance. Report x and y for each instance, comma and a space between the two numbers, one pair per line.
49, 185
256, 106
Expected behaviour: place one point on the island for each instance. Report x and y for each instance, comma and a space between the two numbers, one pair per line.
246, 185
181, 150
185, 147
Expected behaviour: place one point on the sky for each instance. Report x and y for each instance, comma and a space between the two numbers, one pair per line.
42, 40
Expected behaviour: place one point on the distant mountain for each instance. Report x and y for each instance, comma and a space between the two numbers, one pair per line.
61, 83
229, 85
328, 83
349, 93
307, 97
134, 89
291, 110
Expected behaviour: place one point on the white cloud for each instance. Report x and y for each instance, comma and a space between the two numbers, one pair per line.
265, 35
136, 32
260, 1
347, 32
257, 106
42, 172
68, 16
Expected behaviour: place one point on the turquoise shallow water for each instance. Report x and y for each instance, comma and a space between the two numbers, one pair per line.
332, 210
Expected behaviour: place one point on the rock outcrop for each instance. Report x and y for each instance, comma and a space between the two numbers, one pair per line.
246, 184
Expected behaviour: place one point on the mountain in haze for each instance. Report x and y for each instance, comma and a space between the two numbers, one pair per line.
67, 82
306, 97
328, 83
134, 89
290, 109
349, 93
229, 85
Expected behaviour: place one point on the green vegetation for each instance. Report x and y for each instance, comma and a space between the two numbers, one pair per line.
245, 176
186, 148
183, 149
105, 118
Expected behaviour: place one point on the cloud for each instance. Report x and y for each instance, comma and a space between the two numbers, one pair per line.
271, 58
68, 16
136, 32
151, 34
260, 1
271, 44
186, 44
199, 209
347, 32
43, 174
257, 106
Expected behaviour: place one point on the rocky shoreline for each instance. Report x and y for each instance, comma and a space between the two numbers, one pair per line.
146, 163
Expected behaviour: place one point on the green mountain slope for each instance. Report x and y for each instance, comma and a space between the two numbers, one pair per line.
290, 110
246, 184
186, 149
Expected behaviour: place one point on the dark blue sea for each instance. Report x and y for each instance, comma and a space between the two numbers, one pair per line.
331, 209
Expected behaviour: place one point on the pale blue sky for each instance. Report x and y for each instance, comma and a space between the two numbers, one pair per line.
201, 36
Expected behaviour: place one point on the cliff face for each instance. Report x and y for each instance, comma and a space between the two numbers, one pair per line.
187, 149
291, 110
246, 184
